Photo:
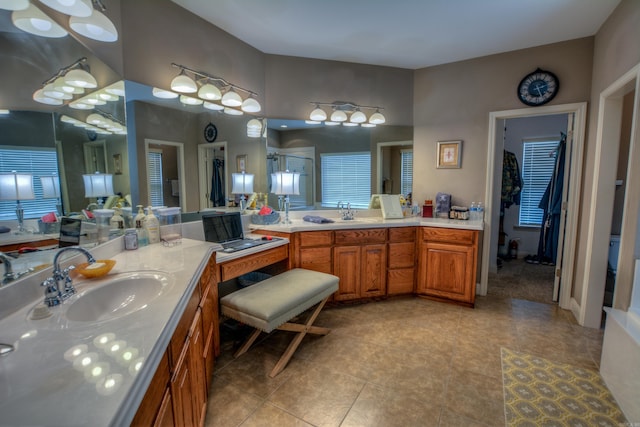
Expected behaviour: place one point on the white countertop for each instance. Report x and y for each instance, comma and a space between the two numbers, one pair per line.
38, 386
298, 224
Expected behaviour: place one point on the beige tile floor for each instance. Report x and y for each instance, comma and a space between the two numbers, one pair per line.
400, 362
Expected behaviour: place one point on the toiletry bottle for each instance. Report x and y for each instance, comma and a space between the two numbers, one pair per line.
152, 225
141, 231
116, 223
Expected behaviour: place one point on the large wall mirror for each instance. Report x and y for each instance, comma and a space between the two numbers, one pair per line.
338, 163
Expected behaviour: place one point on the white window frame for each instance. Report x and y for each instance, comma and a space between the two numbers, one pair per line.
538, 163
156, 187
406, 171
349, 181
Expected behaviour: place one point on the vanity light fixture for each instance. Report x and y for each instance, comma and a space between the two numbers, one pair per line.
68, 81
95, 26
232, 111
190, 100
347, 114
34, 21
212, 106
163, 94
254, 128
215, 90
70, 7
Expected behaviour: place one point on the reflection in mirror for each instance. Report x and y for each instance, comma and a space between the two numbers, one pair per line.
340, 164
27, 62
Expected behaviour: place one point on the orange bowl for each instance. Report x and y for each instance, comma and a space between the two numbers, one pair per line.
85, 270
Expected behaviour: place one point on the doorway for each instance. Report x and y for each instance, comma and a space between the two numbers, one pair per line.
212, 176
494, 158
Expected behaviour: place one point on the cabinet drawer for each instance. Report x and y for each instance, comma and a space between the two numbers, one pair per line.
376, 235
449, 235
402, 255
316, 238
402, 234
240, 266
316, 259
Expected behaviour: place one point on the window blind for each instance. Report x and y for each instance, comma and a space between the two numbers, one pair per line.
537, 168
406, 172
346, 177
155, 178
38, 162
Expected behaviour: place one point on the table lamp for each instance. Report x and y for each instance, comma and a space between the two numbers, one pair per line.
17, 186
51, 190
283, 184
98, 185
242, 184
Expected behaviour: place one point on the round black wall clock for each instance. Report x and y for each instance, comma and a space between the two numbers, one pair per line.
210, 132
538, 88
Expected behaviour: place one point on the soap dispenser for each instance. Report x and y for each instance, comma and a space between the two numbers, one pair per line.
152, 225
141, 231
116, 223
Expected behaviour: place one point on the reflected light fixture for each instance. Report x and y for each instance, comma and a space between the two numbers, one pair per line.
242, 184
284, 184
254, 128
79, 8
209, 92
232, 111
212, 106
80, 78
17, 186
347, 114
250, 105
190, 100
14, 4
95, 26
40, 97
33, 20
163, 94
51, 190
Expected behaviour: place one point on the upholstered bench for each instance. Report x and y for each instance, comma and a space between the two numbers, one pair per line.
270, 304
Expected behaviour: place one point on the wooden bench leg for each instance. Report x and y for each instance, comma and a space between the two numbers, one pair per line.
302, 331
245, 346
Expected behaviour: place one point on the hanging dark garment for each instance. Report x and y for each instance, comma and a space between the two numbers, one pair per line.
511, 180
551, 204
217, 184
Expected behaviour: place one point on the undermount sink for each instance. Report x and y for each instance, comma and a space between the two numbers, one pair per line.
117, 296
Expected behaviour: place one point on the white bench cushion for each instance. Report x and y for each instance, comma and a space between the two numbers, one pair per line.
272, 302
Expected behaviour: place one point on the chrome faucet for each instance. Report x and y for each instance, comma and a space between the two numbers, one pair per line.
9, 274
60, 286
347, 214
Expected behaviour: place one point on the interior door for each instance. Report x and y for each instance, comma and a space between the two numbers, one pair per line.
565, 201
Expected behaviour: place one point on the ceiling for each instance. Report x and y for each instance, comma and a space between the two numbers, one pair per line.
401, 33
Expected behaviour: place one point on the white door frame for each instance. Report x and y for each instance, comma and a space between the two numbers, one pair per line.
203, 178
588, 310
379, 146
181, 175
575, 181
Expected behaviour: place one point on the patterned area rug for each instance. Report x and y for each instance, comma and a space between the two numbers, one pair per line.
538, 392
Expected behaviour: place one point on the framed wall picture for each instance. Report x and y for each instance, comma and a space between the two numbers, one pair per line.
449, 155
241, 162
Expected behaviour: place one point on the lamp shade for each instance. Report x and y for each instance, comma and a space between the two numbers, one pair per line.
96, 27
190, 100
251, 105
70, 7
50, 187
14, 4
163, 94
285, 183
209, 92
183, 84
242, 183
338, 116
231, 98
358, 117
98, 184
377, 118
40, 97
16, 186
254, 128
34, 21
80, 78
212, 106
318, 115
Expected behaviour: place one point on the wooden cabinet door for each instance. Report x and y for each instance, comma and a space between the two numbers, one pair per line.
165, 413
181, 389
198, 371
446, 271
346, 265
373, 278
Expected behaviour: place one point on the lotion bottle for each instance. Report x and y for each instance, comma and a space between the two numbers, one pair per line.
141, 231
152, 225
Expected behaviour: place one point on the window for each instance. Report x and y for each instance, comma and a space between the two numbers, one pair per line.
155, 177
346, 177
406, 171
537, 168
38, 162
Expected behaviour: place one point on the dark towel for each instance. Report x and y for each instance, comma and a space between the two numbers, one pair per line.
316, 219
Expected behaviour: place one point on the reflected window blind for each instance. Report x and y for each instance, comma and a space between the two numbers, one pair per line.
346, 177
155, 178
537, 168
38, 162
406, 171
